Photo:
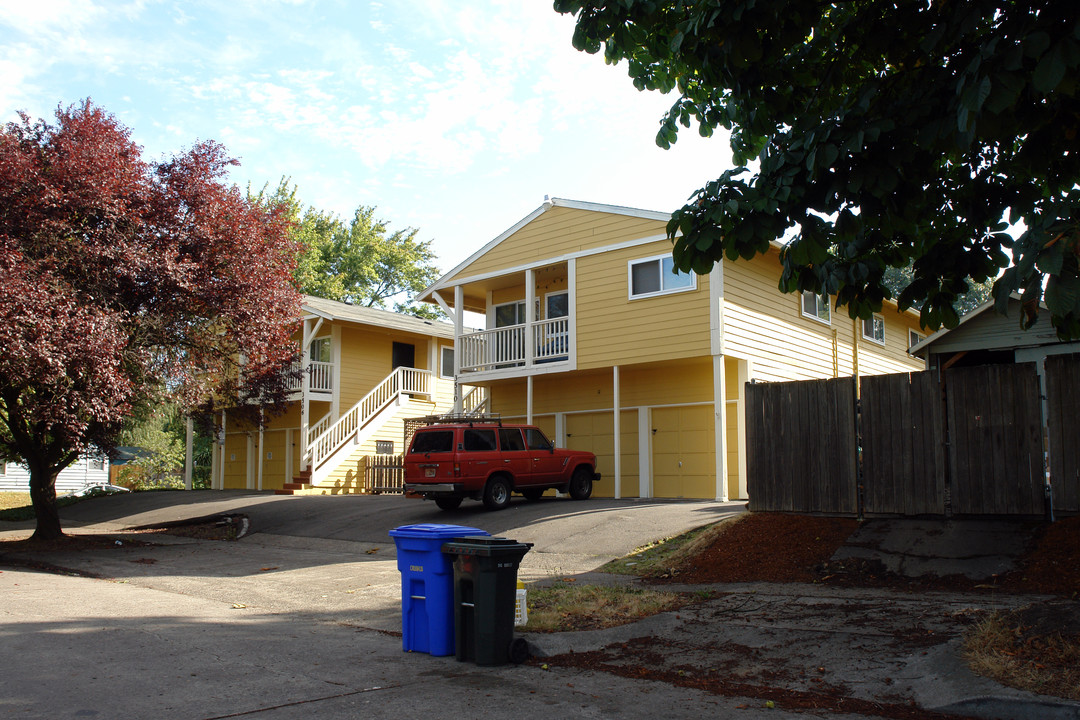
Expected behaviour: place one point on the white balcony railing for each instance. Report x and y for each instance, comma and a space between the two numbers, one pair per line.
505, 347
322, 377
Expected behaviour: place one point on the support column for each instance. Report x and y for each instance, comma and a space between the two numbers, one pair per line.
221, 484
189, 455
644, 431
530, 316
617, 429
305, 390
262, 453
459, 329
720, 427
529, 400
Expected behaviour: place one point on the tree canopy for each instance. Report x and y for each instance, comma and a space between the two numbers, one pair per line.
883, 135
123, 281
359, 261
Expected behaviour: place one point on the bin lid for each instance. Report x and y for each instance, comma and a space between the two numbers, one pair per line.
485, 546
435, 530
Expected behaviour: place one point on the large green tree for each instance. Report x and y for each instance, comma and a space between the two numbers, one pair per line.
882, 134
359, 261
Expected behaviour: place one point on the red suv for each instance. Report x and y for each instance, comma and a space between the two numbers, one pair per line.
488, 460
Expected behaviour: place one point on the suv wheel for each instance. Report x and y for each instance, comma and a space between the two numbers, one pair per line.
497, 493
581, 484
448, 503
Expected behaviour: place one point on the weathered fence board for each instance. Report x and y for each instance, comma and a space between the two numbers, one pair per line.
902, 454
384, 474
1063, 441
801, 446
995, 440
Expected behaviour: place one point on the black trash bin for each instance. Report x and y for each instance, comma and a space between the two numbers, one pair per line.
485, 590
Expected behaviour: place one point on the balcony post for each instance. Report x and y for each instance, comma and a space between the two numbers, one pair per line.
459, 328
530, 316
305, 390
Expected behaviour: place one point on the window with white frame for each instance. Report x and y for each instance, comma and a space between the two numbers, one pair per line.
816, 306
446, 361
657, 276
914, 338
96, 462
873, 328
3, 468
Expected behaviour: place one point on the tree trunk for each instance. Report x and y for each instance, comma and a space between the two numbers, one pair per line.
43, 497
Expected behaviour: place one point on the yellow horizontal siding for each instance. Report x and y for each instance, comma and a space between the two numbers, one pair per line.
560, 231
614, 330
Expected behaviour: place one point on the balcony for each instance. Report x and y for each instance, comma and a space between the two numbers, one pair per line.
506, 347
321, 374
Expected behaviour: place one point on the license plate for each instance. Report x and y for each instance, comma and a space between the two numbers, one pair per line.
429, 472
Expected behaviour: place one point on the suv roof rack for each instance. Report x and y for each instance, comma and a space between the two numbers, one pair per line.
462, 419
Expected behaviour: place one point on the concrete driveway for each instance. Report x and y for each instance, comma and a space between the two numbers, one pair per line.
568, 536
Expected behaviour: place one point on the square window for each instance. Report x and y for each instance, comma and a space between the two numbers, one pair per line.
816, 306
658, 276
446, 362
384, 447
873, 328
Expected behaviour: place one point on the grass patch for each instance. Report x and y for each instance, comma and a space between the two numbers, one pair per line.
1010, 648
567, 607
658, 558
11, 500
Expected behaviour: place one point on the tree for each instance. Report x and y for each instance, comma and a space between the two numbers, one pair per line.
358, 262
884, 134
123, 281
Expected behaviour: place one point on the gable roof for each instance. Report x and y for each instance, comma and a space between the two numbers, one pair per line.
983, 329
547, 205
377, 317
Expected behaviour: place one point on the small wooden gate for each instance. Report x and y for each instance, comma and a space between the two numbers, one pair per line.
384, 474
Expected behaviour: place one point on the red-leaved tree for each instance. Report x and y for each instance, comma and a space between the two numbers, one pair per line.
123, 280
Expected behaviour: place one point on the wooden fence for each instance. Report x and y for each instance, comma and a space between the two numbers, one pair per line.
970, 445
384, 474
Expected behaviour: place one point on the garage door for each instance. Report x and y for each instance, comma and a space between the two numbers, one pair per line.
683, 452
595, 432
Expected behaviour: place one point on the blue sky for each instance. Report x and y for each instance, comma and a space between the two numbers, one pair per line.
452, 116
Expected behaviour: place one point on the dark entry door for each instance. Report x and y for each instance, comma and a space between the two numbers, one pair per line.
404, 355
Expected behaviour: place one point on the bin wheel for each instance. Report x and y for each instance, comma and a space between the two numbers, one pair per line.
448, 503
497, 493
518, 651
581, 484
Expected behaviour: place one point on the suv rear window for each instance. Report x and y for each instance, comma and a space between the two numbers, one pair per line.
433, 441
478, 440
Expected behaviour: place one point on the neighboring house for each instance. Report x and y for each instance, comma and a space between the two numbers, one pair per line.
83, 472
983, 337
591, 336
366, 370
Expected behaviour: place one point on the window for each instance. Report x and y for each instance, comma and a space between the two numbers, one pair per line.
477, 440
510, 314
434, 441
873, 328
657, 276
536, 440
816, 306
446, 361
914, 338
320, 350
383, 447
510, 440
3, 468
96, 463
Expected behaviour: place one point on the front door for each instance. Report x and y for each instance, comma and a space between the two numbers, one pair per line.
403, 355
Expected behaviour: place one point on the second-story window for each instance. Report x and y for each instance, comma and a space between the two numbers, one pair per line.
657, 276
320, 350
873, 328
816, 306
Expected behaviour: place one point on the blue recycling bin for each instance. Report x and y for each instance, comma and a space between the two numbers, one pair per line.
427, 585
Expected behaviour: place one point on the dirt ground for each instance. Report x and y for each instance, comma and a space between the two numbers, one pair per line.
778, 548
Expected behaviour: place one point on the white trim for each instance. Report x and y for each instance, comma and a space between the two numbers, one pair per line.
818, 297
716, 308
720, 427
644, 430
441, 348
875, 318
547, 205
567, 257
659, 259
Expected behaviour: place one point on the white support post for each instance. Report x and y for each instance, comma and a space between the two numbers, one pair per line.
221, 485
530, 316
459, 329
529, 400
720, 428
644, 432
189, 454
305, 389
617, 429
